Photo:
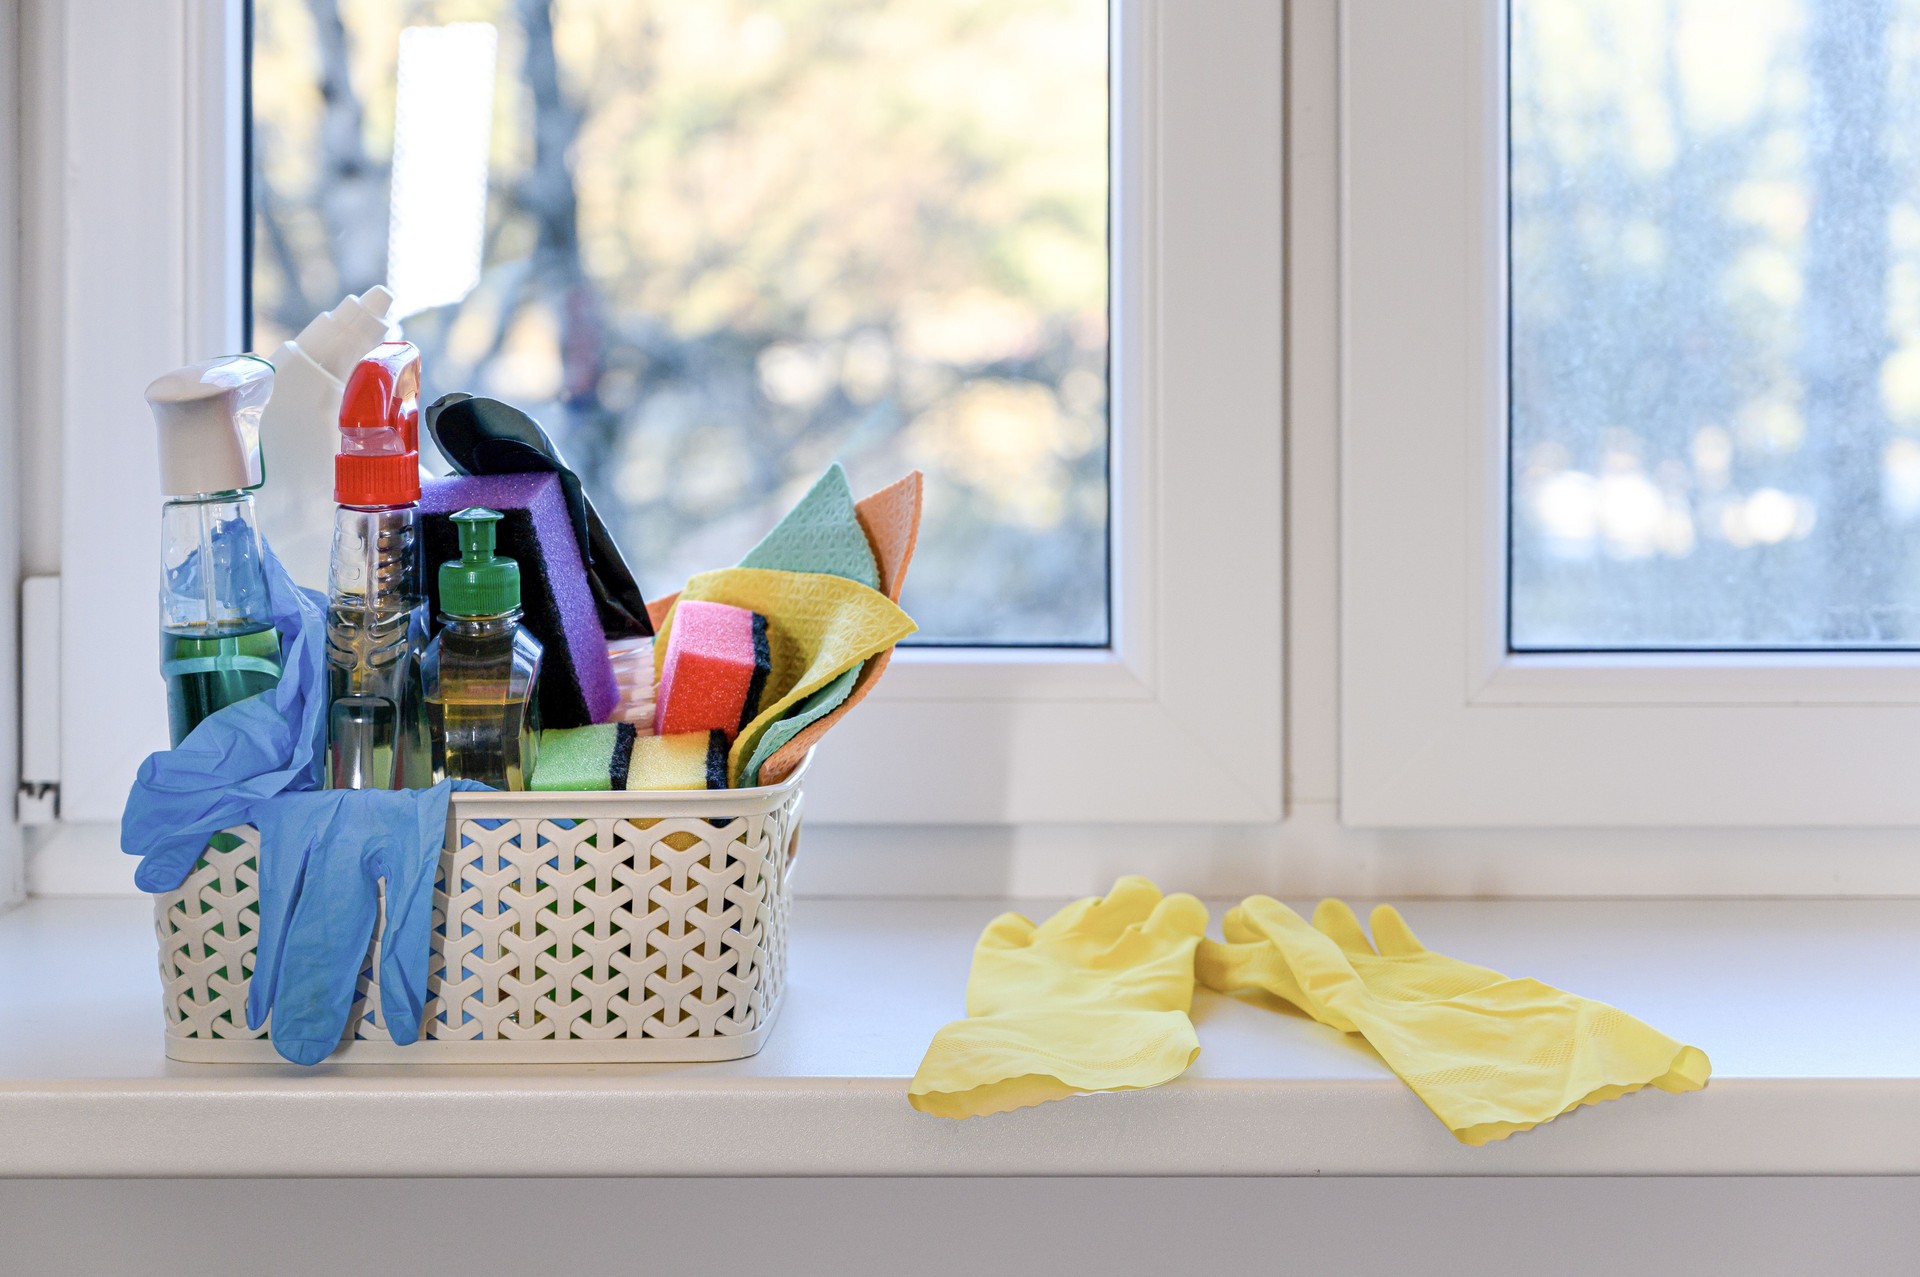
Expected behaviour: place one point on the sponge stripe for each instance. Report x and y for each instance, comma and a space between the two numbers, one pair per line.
622, 760
762, 668
716, 760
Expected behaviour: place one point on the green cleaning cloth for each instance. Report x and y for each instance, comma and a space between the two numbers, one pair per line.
820, 534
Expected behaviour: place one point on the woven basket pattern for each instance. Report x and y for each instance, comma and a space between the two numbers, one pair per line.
595, 936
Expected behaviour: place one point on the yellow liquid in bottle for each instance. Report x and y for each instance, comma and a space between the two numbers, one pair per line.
480, 679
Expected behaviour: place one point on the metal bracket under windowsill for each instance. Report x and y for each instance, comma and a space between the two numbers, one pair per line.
37, 803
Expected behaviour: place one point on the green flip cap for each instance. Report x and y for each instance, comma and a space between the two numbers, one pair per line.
479, 582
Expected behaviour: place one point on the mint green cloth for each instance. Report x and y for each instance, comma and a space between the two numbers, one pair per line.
818, 705
820, 534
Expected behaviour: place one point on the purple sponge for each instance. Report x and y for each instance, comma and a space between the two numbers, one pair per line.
576, 678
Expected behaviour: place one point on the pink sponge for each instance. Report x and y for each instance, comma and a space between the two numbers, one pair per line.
715, 669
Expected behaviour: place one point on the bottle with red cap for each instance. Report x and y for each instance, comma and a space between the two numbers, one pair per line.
376, 603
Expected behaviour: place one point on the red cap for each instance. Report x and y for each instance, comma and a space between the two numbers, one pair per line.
379, 461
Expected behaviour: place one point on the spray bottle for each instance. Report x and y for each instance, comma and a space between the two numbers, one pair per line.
297, 432
217, 641
376, 608
482, 670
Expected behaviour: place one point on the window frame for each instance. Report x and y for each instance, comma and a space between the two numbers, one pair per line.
1178, 720
1442, 725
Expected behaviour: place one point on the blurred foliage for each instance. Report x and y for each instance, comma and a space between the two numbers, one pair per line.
1716, 323
731, 241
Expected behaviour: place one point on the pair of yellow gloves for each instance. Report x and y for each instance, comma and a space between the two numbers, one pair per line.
1096, 999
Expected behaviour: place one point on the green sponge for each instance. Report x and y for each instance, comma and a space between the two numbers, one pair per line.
580, 757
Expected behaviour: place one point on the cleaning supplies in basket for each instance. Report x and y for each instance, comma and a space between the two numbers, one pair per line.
365, 698
217, 637
481, 672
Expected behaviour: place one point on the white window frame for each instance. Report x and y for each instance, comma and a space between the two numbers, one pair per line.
1442, 726
1179, 720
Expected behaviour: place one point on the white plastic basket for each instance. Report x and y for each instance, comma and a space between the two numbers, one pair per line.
636, 926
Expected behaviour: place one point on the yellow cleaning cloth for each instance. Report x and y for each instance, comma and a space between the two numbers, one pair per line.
818, 626
1093, 999
1489, 1055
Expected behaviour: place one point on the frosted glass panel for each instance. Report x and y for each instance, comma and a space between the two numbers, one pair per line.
1715, 323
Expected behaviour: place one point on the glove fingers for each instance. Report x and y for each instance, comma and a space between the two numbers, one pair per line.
406, 947
1229, 968
1261, 918
327, 941
1264, 920
1131, 902
1179, 915
1009, 931
290, 827
1335, 920
1393, 935
1238, 928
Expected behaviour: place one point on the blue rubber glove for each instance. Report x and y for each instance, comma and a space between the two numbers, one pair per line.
237, 758
322, 858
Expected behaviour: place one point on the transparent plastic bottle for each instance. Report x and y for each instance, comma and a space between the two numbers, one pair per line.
297, 436
481, 673
217, 640
376, 603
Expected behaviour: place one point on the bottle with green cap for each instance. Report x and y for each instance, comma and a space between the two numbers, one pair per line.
481, 672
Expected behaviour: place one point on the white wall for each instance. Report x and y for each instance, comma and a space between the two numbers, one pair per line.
12, 869
967, 1228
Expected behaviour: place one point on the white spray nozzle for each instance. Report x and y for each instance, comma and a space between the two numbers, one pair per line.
209, 420
339, 338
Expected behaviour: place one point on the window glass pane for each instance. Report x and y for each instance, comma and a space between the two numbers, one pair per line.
714, 246
1715, 323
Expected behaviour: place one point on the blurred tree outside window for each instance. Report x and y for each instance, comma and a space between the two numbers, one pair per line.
1715, 273
714, 246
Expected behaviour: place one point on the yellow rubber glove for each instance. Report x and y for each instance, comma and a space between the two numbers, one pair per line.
1093, 999
1489, 1055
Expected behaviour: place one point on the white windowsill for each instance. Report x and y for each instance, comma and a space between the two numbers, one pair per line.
1810, 1010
